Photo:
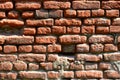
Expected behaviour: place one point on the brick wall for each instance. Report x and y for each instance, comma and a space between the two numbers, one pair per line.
59, 39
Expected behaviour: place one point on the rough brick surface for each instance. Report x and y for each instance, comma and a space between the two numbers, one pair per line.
59, 39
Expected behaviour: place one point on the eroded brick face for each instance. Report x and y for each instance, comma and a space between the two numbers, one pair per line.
59, 40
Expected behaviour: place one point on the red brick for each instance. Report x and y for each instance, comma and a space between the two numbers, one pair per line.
97, 13
42, 13
7, 58
87, 57
112, 57
73, 30
70, 39
1, 48
45, 39
70, 13
6, 66
52, 57
29, 31
102, 30
33, 66
86, 4
110, 4
46, 66
67, 22
83, 13
2, 14
104, 66
53, 75
97, 48
101, 39
27, 5
39, 48
12, 76
11, 22
19, 40
111, 74
25, 48
6, 5
10, 49
54, 48
110, 48
56, 5
42, 22
114, 29
74, 66
19, 65
89, 74
44, 30
68, 74
3, 75
91, 66
112, 13
116, 22
88, 30
56, 13
32, 57
58, 29
28, 14
118, 39
32, 74
82, 48
13, 14
2, 39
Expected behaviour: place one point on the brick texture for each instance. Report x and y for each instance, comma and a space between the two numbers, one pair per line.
60, 40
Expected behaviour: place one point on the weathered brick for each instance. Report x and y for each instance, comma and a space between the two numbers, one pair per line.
7, 58
88, 30
70, 13
112, 13
82, 48
87, 57
73, 30
10, 49
43, 30
104, 66
91, 66
89, 74
33, 66
11, 22
114, 29
68, 74
97, 13
97, 48
52, 57
39, 48
25, 48
27, 14
5, 66
53, 75
2, 39
32, 57
68, 48
13, 14
32, 75
102, 30
19, 40
67, 22
101, 39
110, 4
110, 48
19, 65
86, 4
74, 66
58, 29
56, 5
29, 31
56, 13
2, 14
54, 48
1, 48
83, 13
116, 22
27, 5
9, 76
42, 13
111, 74
112, 57
6, 5
70, 39
46, 66
118, 39
41, 22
